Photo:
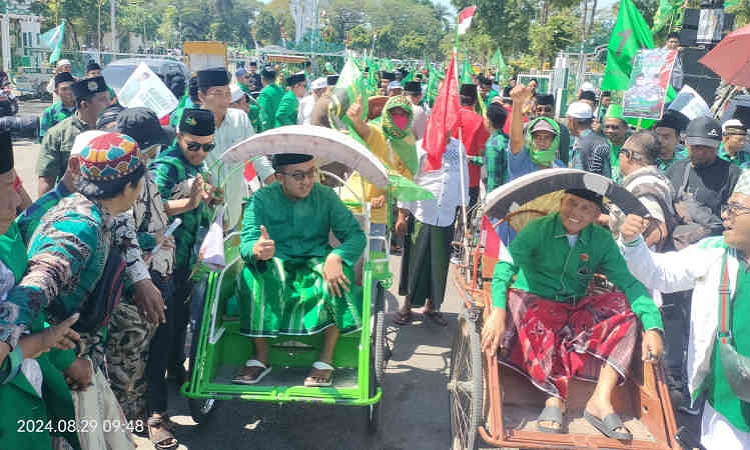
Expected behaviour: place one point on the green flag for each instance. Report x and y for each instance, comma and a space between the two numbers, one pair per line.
348, 89
433, 81
499, 63
466, 73
663, 15
53, 40
630, 34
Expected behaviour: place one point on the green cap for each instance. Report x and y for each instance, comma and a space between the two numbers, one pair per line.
614, 112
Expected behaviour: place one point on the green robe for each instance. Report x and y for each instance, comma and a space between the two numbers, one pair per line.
545, 265
289, 289
268, 101
286, 114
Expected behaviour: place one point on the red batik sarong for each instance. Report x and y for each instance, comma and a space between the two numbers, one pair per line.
550, 341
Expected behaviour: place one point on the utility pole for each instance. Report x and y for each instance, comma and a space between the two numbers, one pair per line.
113, 25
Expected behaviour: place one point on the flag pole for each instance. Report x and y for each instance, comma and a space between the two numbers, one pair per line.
462, 175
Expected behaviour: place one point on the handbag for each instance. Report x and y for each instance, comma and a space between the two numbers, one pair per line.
736, 366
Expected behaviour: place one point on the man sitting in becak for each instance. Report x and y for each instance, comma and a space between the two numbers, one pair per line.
554, 331
299, 285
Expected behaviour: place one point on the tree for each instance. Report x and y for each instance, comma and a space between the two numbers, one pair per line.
549, 38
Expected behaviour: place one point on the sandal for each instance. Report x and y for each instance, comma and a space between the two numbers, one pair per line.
437, 317
159, 435
403, 318
320, 380
609, 425
550, 414
252, 373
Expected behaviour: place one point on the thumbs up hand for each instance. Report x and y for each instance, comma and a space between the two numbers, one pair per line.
264, 248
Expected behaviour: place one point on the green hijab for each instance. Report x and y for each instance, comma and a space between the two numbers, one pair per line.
543, 158
400, 141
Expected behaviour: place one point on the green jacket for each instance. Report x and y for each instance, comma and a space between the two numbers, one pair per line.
269, 100
546, 265
53, 115
56, 145
286, 114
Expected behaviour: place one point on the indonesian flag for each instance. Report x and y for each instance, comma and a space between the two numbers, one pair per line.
490, 239
464, 18
442, 119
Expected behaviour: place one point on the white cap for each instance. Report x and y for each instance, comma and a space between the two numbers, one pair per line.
319, 83
580, 110
236, 93
586, 86
83, 139
732, 123
63, 62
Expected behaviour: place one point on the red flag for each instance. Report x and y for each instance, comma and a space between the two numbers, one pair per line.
442, 119
491, 240
249, 173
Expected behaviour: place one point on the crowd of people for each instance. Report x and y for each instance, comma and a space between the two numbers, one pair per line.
106, 255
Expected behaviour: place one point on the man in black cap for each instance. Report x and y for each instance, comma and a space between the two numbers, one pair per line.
179, 175
286, 113
285, 236
269, 98
413, 91
62, 109
385, 80
668, 130
92, 97
254, 82
232, 127
473, 134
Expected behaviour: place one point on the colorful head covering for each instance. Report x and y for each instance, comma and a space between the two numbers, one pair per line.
542, 157
743, 183
110, 157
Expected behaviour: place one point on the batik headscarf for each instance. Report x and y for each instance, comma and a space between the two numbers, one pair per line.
400, 139
543, 157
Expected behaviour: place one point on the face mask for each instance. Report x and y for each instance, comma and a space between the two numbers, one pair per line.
542, 157
400, 121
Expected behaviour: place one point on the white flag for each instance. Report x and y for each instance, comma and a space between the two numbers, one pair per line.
690, 104
145, 88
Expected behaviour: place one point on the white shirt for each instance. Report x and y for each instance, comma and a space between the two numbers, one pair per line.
445, 186
306, 106
235, 128
419, 121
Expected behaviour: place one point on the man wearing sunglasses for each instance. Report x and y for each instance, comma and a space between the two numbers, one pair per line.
714, 264
178, 173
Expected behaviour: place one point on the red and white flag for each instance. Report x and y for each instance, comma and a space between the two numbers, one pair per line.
464, 18
442, 119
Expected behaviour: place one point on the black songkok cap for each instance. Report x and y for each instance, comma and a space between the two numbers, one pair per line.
280, 160
268, 72
216, 76
587, 95
413, 87
296, 78
85, 89
198, 122
63, 77
673, 120
484, 81
545, 99
468, 90
93, 65
388, 76
331, 80
587, 195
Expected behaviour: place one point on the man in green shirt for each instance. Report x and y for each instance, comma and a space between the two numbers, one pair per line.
668, 130
553, 259
91, 98
616, 131
286, 114
269, 98
60, 110
298, 284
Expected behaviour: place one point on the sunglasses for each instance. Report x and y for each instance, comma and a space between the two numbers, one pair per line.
544, 109
195, 146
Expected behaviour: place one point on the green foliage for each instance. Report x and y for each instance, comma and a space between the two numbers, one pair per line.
555, 35
741, 12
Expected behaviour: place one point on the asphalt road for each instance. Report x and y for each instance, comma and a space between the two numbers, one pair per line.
415, 405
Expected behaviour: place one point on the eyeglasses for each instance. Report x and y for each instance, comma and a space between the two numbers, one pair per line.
544, 109
300, 175
195, 146
734, 209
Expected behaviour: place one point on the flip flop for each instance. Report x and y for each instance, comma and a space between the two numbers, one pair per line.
245, 378
403, 318
437, 317
608, 426
311, 381
159, 434
550, 414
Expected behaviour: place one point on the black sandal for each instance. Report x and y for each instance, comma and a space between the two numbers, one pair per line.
437, 317
159, 434
403, 318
